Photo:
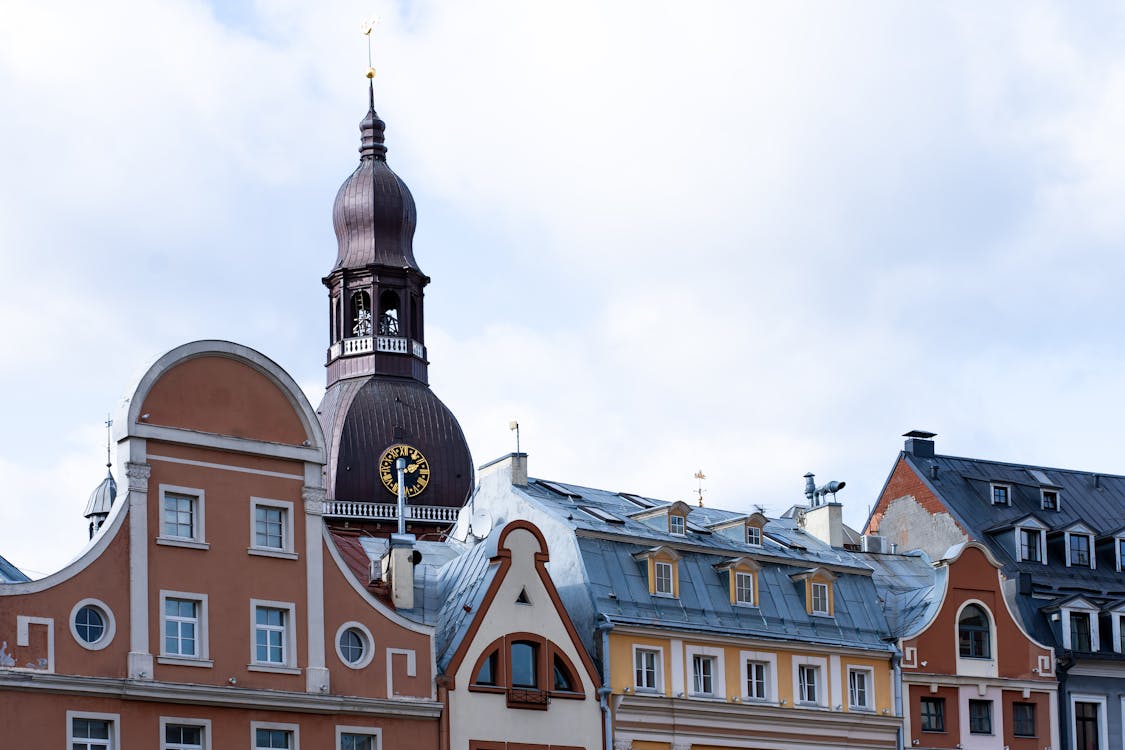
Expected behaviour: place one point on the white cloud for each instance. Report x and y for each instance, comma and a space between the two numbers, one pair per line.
757, 240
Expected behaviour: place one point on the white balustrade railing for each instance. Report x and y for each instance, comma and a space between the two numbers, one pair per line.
389, 344
419, 350
392, 344
360, 345
389, 511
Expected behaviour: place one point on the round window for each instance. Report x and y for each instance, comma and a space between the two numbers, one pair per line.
354, 645
91, 624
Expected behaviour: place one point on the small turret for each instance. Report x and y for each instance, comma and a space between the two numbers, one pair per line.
101, 499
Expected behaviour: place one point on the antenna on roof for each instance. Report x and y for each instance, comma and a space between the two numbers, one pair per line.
759, 509
514, 426
108, 439
700, 476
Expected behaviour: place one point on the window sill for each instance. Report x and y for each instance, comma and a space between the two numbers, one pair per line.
266, 552
825, 615
184, 661
487, 689
173, 541
664, 596
273, 668
568, 695
862, 709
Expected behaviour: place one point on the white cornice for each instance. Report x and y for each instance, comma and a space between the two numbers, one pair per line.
212, 695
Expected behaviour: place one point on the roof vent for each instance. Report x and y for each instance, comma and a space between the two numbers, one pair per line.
920, 443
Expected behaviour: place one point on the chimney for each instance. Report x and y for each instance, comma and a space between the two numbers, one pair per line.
399, 562
825, 519
920, 443
512, 467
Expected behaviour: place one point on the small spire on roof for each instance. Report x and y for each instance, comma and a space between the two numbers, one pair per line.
372, 128
108, 438
700, 476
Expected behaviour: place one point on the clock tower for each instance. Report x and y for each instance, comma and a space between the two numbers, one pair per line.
379, 405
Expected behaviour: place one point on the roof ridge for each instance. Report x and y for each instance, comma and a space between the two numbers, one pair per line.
1108, 475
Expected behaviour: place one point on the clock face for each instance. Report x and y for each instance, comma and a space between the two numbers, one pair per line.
417, 476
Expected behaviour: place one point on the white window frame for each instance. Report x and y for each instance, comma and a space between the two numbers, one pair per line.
769, 660
826, 612
1042, 543
740, 576
750, 532
293, 729
821, 665
107, 616
1103, 719
1090, 541
677, 524
288, 521
1092, 614
718, 673
204, 724
1118, 543
114, 727
658, 670
368, 644
198, 538
288, 665
992, 487
1117, 625
1043, 492
869, 688
365, 731
202, 641
671, 592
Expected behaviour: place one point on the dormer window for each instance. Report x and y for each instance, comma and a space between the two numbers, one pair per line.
1078, 550
663, 570
1001, 494
1050, 500
1080, 626
743, 580
1119, 544
818, 584
754, 536
676, 525
819, 598
1080, 633
1030, 545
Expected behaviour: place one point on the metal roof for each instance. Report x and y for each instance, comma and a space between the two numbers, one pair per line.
10, 573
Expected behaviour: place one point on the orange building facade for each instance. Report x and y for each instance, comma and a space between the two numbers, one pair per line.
211, 609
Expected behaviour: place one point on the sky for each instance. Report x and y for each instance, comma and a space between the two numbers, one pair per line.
757, 239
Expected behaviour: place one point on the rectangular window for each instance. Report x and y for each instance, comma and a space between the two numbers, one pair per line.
1080, 639
859, 689
1029, 545
754, 536
757, 672
933, 714
807, 683
271, 528
92, 731
663, 582
1023, 719
820, 598
1000, 494
1086, 734
1050, 500
181, 627
182, 737
1120, 553
676, 525
744, 588
647, 669
703, 675
181, 517
980, 717
353, 741
269, 635
273, 739
1079, 549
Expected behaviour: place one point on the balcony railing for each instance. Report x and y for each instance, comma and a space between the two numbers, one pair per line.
389, 511
388, 344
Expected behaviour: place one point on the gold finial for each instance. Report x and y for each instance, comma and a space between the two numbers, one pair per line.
699, 475
368, 26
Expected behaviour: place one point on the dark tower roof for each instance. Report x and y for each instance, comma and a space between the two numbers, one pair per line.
101, 499
374, 213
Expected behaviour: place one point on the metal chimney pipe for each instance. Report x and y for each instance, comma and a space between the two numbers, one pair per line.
400, 465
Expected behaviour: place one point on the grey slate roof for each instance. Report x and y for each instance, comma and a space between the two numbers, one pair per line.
10, 573
910, 589
1094, 499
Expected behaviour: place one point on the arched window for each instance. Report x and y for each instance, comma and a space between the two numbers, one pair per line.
361, 314
486, 672
525, 664
388, 314
974, 634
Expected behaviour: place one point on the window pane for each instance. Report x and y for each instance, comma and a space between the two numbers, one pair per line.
562, 676
357, 742
272, 739
973, 633
90, 624
980, 717
269, 527
487, 673
352, 645
524, 658
1023, 719
933, 714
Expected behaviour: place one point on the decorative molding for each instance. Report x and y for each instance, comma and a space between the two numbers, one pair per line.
137, 475
225, 467
222, 696
314, 500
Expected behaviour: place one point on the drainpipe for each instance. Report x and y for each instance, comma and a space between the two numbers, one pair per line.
896, 667
605, 690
